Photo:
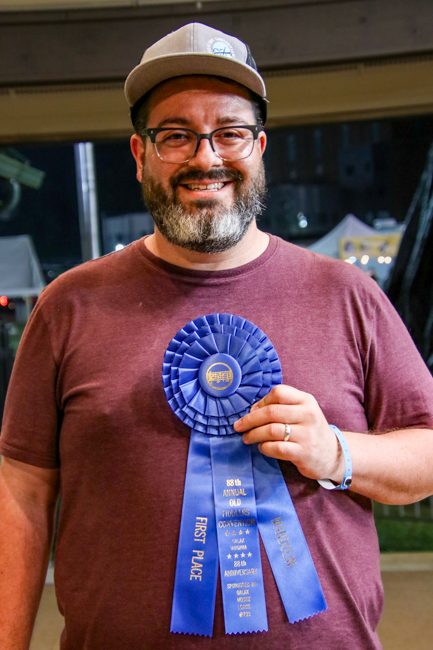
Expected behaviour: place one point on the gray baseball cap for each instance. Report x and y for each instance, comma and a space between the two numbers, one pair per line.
195, 49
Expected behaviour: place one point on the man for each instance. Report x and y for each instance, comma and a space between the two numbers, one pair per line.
86, 407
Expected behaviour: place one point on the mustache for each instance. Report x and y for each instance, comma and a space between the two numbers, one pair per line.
196, 175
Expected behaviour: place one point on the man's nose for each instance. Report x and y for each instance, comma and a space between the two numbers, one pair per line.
205, 157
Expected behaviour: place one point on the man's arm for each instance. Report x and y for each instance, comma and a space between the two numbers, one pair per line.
393, 467
28, 497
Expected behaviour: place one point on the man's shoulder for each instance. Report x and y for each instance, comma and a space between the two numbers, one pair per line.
323, 270
91, 277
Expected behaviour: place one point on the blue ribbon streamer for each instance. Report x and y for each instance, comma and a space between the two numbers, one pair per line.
197, 557
238, 538
214, 369
284, 542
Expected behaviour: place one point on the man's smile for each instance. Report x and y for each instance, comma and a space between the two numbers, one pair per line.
204, 189
204, 186
199, 181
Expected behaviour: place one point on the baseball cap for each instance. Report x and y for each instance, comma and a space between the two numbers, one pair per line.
195, 49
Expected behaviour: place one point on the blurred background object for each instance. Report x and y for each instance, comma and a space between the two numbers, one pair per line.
410, 286
15, 171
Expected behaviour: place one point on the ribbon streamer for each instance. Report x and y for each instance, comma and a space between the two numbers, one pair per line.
214, 369
197, 557
238, 540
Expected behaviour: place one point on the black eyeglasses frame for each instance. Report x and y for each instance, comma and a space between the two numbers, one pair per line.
153, 132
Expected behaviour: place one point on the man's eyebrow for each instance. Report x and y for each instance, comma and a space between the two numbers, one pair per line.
174, 120
183, 121
231, 119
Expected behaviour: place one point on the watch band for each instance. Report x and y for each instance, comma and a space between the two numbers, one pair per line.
347, 480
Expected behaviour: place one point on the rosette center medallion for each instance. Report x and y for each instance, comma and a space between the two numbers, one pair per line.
220, 375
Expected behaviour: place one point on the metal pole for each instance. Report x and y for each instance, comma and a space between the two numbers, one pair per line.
28, 305
87, 201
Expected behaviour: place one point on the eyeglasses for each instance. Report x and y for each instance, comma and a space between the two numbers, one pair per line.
180, 145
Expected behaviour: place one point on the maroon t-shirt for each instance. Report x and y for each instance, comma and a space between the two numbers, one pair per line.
86, 395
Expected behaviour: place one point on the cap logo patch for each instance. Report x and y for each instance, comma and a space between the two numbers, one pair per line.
220, 47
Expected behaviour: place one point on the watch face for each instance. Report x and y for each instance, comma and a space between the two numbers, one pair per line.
347, 482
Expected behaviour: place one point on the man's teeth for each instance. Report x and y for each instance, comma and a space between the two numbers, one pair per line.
210, 186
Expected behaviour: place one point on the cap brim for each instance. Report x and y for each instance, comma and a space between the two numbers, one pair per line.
149, 74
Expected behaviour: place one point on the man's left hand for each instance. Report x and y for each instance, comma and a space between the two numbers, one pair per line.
312, 446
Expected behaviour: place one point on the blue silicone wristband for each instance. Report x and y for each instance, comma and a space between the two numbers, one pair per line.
347, 480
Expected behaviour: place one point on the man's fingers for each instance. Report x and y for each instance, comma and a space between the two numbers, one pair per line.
288, 451
281, 394
272, 431
272, 413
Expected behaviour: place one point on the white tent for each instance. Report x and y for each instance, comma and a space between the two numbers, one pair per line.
350, 226
20, 272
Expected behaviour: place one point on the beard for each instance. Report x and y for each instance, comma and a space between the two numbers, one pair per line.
206, 225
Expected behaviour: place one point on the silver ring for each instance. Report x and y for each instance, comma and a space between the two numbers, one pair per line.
288, 431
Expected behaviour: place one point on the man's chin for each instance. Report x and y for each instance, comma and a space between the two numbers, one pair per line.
208, 246
205, 230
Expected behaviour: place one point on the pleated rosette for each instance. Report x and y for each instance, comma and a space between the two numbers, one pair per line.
215, 368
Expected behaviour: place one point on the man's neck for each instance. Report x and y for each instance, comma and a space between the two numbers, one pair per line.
251, 246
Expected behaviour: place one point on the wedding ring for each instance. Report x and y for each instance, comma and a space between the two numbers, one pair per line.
288, 430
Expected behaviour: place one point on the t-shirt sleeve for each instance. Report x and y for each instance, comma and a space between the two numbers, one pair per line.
398, 384
31, 418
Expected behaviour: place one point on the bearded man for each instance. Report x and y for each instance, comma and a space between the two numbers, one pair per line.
253, 336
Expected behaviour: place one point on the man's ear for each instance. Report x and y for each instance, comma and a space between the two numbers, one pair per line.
137, 148
262, 141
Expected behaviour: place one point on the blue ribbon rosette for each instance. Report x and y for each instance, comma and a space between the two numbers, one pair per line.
214, 369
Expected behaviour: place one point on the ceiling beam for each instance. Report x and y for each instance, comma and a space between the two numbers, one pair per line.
104, 44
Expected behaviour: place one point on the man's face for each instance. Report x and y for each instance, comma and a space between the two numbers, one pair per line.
205, 204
